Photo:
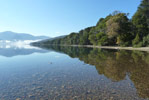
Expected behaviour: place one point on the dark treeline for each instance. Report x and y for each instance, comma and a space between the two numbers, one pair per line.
113, 64
114, 30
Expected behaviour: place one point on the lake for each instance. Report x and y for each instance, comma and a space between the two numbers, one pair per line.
73, 73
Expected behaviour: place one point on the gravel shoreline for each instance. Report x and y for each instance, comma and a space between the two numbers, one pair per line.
112, 47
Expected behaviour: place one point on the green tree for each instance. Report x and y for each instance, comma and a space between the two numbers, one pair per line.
146, 41
141, 19
119, 29
136, 42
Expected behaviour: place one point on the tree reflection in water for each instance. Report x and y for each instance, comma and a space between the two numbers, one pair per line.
114, 64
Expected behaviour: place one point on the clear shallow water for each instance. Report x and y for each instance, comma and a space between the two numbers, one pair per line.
68, 73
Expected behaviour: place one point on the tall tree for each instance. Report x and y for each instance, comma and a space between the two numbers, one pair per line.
141, 19
118, 29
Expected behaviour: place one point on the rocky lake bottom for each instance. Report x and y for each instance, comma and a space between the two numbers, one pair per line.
73, 73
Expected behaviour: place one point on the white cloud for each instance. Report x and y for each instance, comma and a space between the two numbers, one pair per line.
18, 44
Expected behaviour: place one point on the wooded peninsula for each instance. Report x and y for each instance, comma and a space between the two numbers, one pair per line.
114, 30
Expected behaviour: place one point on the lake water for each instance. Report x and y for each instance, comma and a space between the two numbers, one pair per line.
71, 73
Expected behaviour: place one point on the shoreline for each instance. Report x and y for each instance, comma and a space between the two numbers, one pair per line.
112, 47
108, 47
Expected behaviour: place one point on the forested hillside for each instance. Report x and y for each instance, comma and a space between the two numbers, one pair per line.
114, 30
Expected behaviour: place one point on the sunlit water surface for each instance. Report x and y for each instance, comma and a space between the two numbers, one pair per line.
68, 73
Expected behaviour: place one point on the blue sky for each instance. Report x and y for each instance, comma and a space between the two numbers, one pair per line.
58, 17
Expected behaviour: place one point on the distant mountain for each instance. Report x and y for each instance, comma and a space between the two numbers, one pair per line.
46, 40
58, 37
8, 35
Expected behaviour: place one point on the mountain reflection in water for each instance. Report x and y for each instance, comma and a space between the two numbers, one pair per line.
11, 50
113, 64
